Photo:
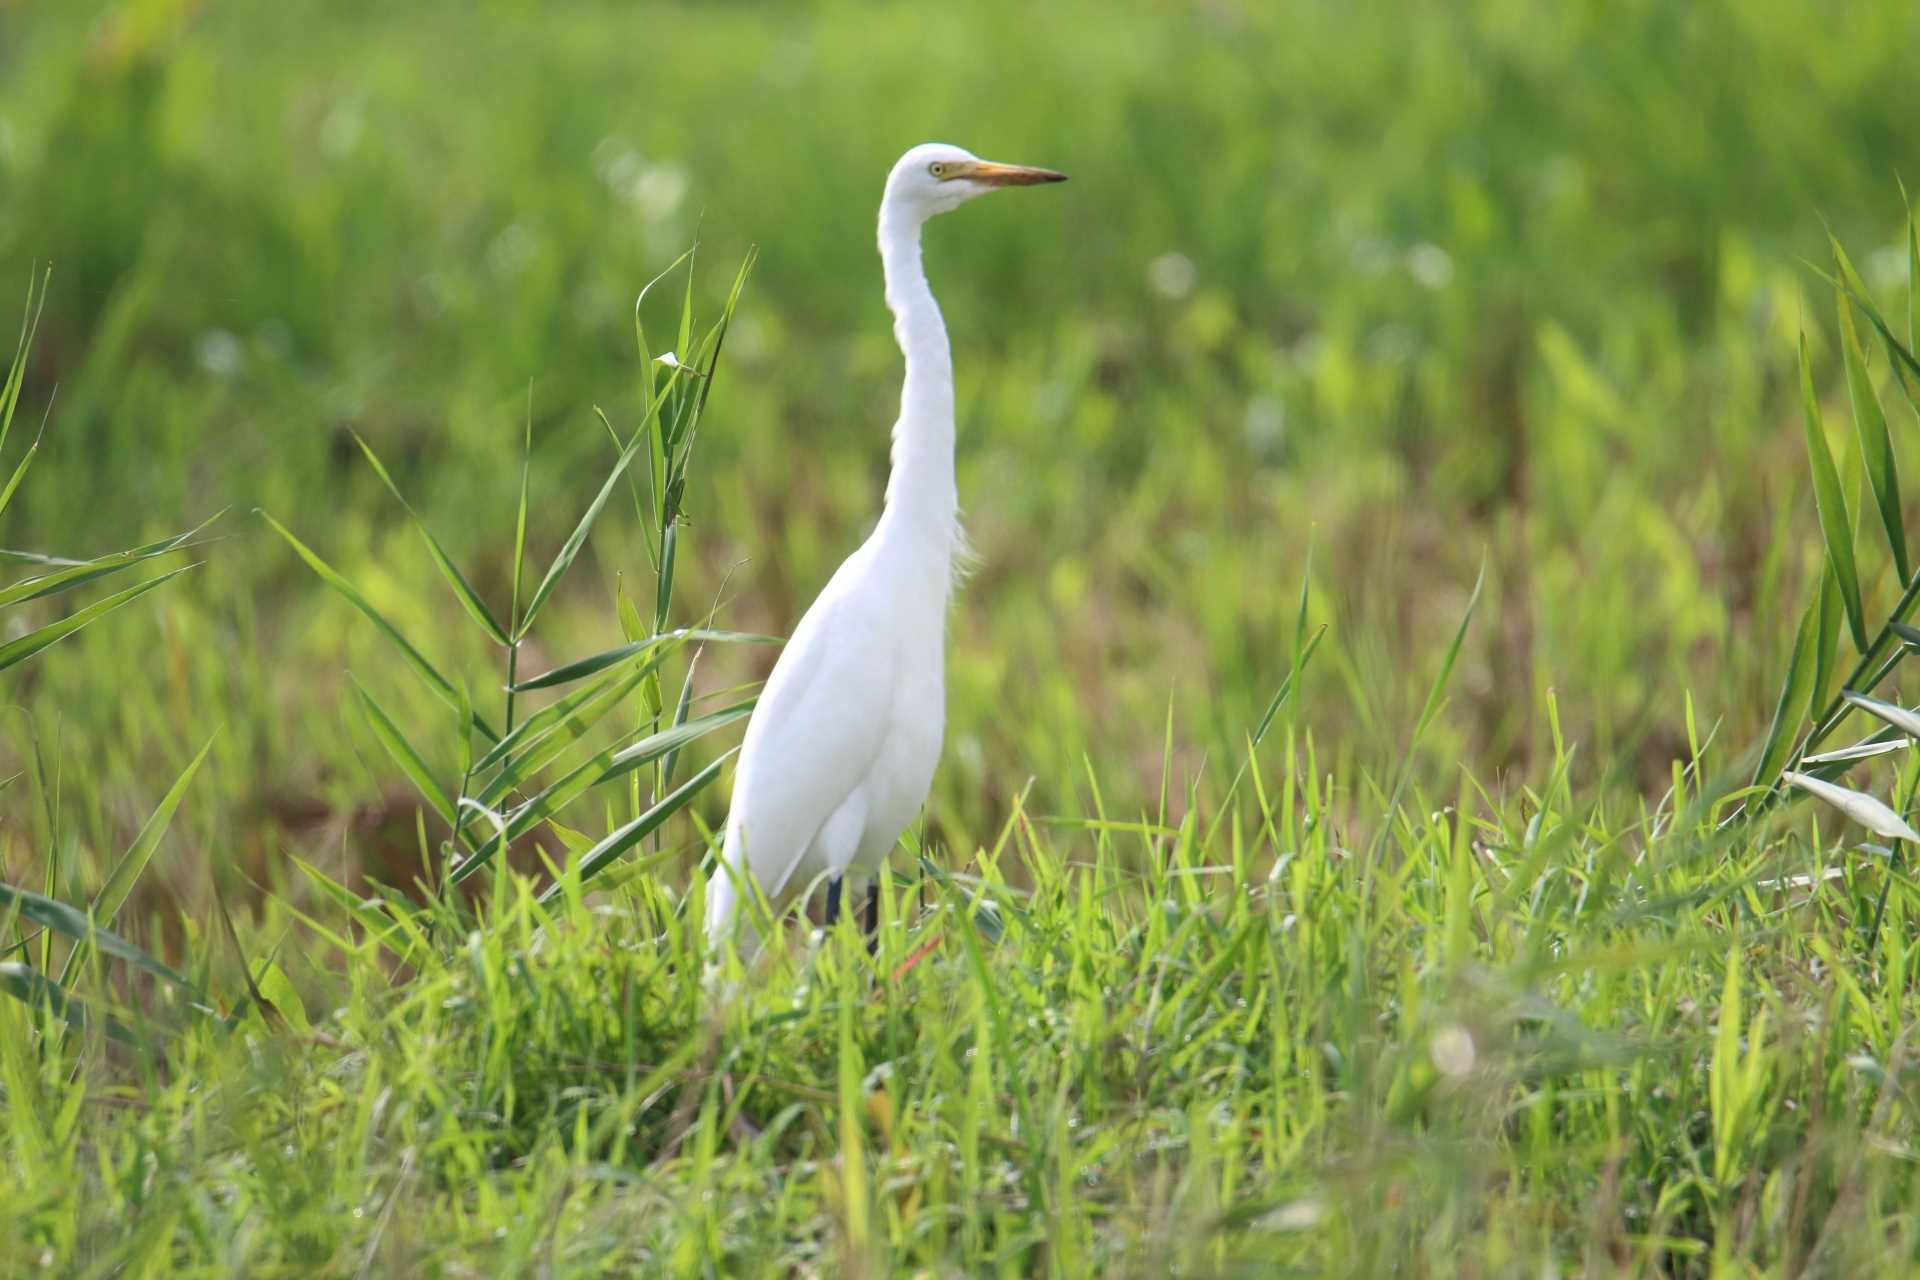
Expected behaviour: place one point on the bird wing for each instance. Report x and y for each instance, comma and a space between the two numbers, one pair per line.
815, 734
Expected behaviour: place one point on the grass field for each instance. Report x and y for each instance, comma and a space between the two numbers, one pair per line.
1398, 513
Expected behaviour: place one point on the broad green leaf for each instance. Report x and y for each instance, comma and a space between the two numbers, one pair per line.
414, 658
404, 755
587, 666
1876, 446
681, 711
1906, 368
663, 594
1864, 809
626, 837
31, 987
72, 923
1287, 686
655, 745
76, 573
463, 590
554, 739
277, 989
33, 642
1835, 522
543, 721
1913, 276
125, 874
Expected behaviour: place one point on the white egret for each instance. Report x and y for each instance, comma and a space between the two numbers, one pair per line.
841, 749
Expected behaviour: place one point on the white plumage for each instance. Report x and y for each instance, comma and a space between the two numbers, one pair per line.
841, 748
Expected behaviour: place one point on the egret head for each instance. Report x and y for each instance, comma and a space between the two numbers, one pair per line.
935, 177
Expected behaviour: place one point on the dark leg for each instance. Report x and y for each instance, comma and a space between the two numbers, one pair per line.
833, 901
872, 921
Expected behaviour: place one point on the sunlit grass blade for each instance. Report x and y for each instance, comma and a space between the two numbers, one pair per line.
1836, 525
583, 667
1876, 446
668, 741
85, 571
126, 873
405, 755
602, 767
563, 559
569, 787
1864, 809
1287, 685
626, 837
414, 658
73, 923
463, 590
24, 647
17, 369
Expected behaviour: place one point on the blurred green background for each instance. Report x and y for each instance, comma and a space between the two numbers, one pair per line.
1408, 285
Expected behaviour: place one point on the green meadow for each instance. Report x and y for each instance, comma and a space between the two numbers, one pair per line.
1431, 472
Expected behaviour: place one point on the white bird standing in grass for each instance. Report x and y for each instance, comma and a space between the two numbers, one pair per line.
842, 746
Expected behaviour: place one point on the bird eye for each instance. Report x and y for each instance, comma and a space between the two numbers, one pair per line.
938, 169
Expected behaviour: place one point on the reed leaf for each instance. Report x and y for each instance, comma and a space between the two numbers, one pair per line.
24, 647
1836, 525
463, 591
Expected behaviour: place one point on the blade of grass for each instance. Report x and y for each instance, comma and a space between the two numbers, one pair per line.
626, 837
70, 922
1794, 695
33, 988
594, 663
126, 873
414, 658
77, 573
563, 560
24, 647
1835, 523
1876, 445
404, 755
17, 370
1864, 809
463, 590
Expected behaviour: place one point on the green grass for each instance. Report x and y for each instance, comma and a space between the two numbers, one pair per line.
1471, 375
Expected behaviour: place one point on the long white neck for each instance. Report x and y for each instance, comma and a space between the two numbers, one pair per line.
921, 496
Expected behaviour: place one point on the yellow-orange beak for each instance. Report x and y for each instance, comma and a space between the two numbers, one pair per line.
989, 174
